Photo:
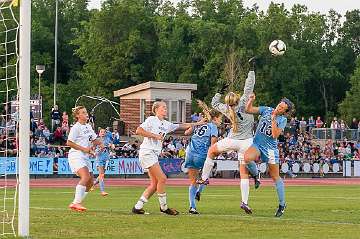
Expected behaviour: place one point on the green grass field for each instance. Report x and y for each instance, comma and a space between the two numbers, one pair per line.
313, 212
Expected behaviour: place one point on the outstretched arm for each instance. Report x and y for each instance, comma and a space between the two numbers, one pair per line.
250, 109
248, 89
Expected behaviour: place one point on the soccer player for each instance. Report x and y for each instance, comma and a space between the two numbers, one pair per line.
240, 137
203, 137
271, 124
102, 157
154, 129
80, 140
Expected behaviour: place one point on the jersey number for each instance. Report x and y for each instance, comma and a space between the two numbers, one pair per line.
201, 130
266, 129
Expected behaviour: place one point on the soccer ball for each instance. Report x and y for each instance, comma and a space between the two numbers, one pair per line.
277, 48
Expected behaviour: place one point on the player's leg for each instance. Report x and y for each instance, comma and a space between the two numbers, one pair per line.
245, 188
101, 180
149, 191
157, 172
250, 155
81, 189
221, 146
192, 174
280, 188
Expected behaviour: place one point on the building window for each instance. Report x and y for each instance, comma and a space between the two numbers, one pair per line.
142, 110
174, 111
181, 111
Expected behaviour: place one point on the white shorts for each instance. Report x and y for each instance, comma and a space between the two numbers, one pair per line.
238, 145
77, 163
148, 158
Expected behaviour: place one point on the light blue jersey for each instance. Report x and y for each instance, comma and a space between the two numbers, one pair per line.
199, 145
103, 156
263, 139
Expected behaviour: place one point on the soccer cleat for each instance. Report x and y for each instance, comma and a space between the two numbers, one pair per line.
246, 208
138, 211
201, 181
280, 211
193, 211
197, 196
77, 207
256, 182
104, 194
170, 211
92, 188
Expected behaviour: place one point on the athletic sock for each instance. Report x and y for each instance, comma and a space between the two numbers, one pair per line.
253, 170
280, 189
208, 165
140, 204
192, 194
162, 201
244, 186
79, 193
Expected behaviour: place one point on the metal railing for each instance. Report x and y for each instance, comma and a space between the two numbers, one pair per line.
336, 134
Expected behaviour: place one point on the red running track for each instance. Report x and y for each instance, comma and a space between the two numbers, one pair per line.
117, 182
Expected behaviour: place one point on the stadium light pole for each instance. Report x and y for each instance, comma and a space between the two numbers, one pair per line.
40, 69
56, 50
24, 117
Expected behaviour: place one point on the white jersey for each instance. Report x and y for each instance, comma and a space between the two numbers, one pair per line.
81, 134
156, 126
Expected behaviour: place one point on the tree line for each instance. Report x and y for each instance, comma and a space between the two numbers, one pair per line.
128, 42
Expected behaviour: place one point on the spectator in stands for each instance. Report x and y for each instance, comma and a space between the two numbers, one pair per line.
116, 137
58, 136
65, 122
55, 117
195, 117
319, 123
46, 133
41, 124
303, 125
311, 123
33, 126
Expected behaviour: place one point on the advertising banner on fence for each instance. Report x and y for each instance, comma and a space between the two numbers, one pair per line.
114, 166
36, 165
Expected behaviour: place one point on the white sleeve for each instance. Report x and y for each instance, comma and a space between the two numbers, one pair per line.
172, 127
147, 124
74, 133
93, 134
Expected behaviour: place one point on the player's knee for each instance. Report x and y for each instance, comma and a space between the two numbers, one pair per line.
213, 152
162, 180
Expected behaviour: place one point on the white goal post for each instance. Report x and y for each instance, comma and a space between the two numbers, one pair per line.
24, 117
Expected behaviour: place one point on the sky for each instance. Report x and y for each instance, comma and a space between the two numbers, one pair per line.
323, 6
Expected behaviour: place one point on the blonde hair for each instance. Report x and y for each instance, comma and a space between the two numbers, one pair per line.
76, 110
156, 105
232, 99
207, 111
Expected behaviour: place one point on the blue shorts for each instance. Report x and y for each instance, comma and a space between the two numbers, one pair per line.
102, 159
270, 156
193, 160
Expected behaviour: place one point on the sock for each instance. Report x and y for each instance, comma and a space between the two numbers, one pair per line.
79, 193
102, 185
84, 196
96, 181
162, 201
280, 189
141, 202
244, 186
201, 188
253, 170
208, 165
192, 194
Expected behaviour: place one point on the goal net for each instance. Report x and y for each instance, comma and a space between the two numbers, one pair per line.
9, 115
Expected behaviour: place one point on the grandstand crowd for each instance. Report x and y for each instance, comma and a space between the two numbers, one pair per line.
297, 144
